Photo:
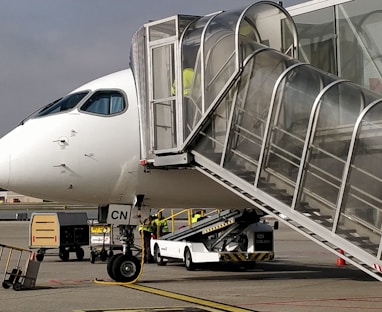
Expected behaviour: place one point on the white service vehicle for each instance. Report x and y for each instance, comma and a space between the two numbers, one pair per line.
237, 237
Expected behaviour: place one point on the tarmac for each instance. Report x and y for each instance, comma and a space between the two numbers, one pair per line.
302, 277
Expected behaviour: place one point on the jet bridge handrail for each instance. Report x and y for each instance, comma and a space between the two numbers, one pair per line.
267, 130
309, 139
348, 165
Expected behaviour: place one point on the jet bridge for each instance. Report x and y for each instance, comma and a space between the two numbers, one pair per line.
299, 144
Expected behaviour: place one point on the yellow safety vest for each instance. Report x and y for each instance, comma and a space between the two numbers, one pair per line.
195, 217
188, 76
146, 227
162, 224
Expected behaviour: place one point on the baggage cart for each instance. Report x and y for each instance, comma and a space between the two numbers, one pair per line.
20, 267
67, 231
101, 241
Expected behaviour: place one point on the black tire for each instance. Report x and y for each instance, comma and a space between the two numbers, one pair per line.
190, 265
80, 253
126, 268
39, 257
103, 255
63, 254
6, 285
248, 265
158, 258
93, 256
110, 264
17, 286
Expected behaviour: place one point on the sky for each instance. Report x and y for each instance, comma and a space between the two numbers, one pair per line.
50, 47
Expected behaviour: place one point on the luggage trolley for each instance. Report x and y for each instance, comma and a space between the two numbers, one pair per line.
15, 274
101, 241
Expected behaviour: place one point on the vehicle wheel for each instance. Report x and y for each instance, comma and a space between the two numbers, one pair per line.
190, 266
63, 254
110, 264
80, 253
248, 265
6, 285
110, 253
17, 286
103, 255
39, 256
93, 256
157, 257
126, 268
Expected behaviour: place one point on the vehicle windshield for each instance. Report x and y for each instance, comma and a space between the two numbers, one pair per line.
63, 104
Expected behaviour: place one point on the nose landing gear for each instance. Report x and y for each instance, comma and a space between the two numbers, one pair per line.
126, 266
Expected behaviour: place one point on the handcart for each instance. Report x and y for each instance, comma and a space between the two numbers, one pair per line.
101, 241
16, 274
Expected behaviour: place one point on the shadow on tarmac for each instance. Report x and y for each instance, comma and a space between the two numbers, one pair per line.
277, 271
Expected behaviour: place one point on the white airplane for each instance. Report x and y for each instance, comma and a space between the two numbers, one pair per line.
85, 148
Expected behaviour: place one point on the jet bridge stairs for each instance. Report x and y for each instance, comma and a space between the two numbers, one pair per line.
308, 176
301, 145
301, 171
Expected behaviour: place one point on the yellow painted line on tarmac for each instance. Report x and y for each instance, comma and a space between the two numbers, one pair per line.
201, 302
161, 309
198, 301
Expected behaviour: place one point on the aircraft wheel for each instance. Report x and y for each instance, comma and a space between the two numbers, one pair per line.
157, 257
80, 253
126, 268
63, 254
110, 264
190, 265
6, 285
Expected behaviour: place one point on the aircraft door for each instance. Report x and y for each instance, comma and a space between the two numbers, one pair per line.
162, 99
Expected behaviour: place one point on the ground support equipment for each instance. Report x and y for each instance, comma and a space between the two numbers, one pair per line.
20, 267
102, 244
67, 231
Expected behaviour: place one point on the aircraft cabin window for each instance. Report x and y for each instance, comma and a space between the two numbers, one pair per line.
63, 104
105, 103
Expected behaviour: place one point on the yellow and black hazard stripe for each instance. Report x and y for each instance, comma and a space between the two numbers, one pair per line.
245, 256
218, 226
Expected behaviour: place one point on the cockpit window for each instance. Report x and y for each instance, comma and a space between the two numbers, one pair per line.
63, 104
105, 103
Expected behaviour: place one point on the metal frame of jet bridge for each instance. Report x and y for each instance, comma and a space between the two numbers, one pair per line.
292, 139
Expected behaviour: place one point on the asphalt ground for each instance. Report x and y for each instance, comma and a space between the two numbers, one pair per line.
302, 277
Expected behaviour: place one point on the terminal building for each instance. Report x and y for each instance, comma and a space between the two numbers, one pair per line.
8, 197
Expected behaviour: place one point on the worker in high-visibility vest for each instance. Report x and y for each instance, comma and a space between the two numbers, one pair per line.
147, 229
188, 77
161, 224
196, 216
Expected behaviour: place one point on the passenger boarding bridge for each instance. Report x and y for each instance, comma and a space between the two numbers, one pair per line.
297, 142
